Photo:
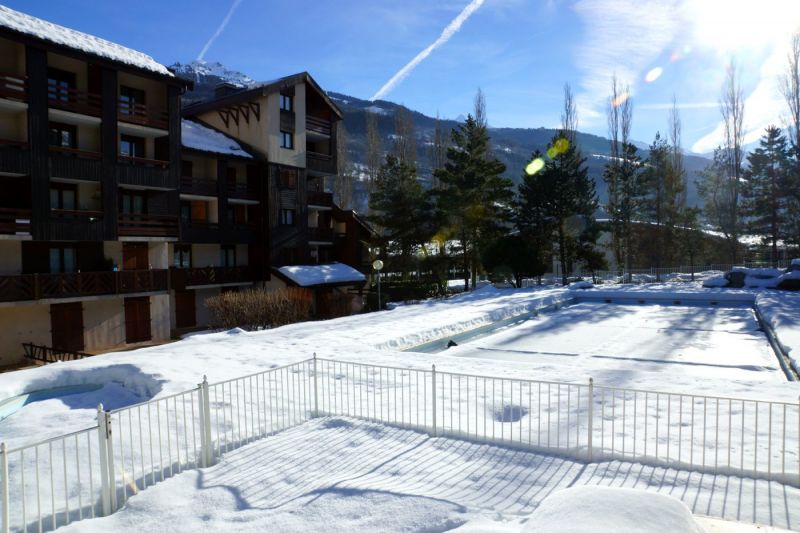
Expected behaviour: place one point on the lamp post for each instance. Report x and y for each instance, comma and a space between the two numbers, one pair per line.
378, 265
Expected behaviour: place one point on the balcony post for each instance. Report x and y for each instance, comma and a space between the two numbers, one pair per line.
110, 144
37, 289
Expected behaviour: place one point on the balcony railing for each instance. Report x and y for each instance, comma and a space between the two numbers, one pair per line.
318, 125
15, 221
320, 234
75, 100
81, 225
199, 232
323, 199
142, 225
144, 172
76, 284
13, 86
133, 160
242, 191
14, 157
142, 114
199, 186
191, 277
74, 163
322, 163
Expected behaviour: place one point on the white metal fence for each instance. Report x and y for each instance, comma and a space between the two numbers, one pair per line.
93, 472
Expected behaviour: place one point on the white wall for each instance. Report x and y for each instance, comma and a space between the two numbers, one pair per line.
103, 323
24, 323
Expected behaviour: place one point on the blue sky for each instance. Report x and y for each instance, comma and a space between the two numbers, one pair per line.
520, 52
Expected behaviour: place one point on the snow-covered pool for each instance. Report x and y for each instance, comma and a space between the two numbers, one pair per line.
724, 342
11, 405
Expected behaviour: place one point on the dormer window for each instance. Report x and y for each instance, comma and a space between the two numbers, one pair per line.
286, 103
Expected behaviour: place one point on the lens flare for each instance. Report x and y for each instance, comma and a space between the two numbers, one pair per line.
653, 74
621, 99
561, 145
534, 166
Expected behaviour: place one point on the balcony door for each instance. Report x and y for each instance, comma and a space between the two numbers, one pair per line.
185, 309
66, 326
134, 256
137, 319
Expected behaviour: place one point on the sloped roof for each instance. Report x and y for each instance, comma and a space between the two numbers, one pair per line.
77, 40
197, 136
262, 89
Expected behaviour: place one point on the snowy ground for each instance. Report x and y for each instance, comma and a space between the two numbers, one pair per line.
696, 349
337, 474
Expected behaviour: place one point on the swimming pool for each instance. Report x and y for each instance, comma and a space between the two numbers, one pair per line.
9, 406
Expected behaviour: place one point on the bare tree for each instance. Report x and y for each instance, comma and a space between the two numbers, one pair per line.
569, 116
437, 151
732, 109
343, 188
677, 165
675, 184
405, 138
374, 152
790, 87
479, 109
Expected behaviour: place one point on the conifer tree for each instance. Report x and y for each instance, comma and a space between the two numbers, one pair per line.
765, 189
473, 197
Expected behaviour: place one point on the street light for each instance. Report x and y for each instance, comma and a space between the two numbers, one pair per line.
378, 265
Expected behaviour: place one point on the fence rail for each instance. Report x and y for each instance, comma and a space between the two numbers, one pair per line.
94, 471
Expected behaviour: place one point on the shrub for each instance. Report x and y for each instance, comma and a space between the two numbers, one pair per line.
259, 308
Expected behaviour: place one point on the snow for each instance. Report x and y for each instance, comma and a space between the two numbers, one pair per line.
199, 137
339, 474
311, 275
377, 110
47, 31
609, 510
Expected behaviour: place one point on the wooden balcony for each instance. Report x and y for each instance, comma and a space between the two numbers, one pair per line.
197, 277
74, 100
145, 225
320, 163
143, 115
75, 164
318, 125
15, 221
14, 86
66, 225
14, 157
23, 287
320, 234
199, 186
242, 191
322, 199
144, 172
199, 232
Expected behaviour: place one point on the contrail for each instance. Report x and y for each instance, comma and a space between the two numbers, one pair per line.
219, 30
448, 32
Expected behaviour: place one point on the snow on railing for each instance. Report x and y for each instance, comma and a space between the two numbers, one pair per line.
92, 472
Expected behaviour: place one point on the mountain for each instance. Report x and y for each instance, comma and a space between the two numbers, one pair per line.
512, 146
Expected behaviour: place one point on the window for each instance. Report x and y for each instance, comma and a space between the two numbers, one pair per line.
288, 178
237, 215
182, 256
130, 146
199, 211
286, 103
59, 84
129, 98
230, 178
63, 259
186, 211
133, 203
63, 196
228, 255
287, 217
63, 135
287, 140
186, 168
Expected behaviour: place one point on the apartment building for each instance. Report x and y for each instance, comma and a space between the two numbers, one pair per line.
89, 175
119, 217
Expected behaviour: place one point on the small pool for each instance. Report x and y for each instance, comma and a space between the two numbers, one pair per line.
439, 345
11, 405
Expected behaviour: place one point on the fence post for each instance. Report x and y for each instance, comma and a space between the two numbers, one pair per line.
316, 394
207, 456
107, 481
6, 497
433, 396
591, 420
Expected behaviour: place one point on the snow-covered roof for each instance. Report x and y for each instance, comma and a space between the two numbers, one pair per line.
310, 275
199, 137
47, 31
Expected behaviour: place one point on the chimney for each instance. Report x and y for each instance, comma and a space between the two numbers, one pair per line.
225, 88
